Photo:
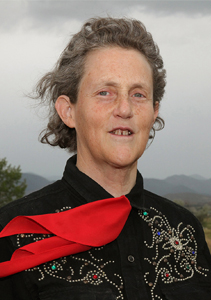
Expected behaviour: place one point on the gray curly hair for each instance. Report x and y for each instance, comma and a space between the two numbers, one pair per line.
65, 78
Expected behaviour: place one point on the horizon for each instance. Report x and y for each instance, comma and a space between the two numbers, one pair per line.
34, 33
194, 176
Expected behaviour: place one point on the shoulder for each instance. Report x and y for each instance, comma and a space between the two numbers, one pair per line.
175, 215
43, 201
167, 206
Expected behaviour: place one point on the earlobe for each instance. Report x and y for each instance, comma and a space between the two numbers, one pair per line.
156, 110
64, 109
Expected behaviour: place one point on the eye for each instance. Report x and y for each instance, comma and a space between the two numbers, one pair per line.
139, 95
104, 93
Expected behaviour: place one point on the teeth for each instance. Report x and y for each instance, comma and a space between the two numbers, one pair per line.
118, 132
122, 132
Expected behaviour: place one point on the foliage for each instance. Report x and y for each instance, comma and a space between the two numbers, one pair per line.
207, 232
202, 213
179, 202
11, 186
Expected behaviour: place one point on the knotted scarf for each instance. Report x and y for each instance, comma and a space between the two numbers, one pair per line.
76, 230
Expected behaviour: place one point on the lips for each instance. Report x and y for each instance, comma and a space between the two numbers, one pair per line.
120, 131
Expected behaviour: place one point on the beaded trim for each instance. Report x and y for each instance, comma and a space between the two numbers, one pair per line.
21, 238
91, 270
173, 251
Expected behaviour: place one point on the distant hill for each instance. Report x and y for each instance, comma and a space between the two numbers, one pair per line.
34, 182
190, 199
163, 187
178, 184
192, 190
196, 185
199, 177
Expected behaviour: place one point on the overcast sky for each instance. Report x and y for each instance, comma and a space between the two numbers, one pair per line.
34, 33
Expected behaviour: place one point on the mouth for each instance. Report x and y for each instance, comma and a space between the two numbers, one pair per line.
124, 132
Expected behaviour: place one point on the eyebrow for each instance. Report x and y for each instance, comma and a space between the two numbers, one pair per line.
135, 85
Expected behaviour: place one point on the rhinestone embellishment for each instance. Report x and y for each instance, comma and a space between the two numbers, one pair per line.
172, 251
89, 269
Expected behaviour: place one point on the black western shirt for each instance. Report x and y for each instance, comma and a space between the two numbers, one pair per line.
161, 252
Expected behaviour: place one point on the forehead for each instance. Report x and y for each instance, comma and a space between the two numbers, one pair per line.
115, 63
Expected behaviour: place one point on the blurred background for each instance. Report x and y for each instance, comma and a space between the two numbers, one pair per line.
32, 36
34, 33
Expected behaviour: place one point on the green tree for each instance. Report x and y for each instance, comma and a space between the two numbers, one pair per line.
180, 202
202, 213
11, 186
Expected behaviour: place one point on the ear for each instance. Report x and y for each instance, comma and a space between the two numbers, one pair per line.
156, 110
65, 109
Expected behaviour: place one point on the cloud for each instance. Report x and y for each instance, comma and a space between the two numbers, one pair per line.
172, 7
48, 14
34, 34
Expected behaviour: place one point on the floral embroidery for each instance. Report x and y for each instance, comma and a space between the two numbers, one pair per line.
89, 270
173, 251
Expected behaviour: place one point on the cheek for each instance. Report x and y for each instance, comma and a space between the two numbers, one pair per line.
89, 120
98, 109
145, 116
99, 116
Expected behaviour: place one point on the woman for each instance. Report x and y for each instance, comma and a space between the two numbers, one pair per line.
104, 96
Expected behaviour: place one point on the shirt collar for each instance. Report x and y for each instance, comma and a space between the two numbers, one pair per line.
92, 191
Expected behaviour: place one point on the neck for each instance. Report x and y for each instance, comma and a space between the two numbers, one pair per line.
115, 180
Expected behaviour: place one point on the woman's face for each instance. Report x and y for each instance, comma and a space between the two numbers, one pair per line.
114, 111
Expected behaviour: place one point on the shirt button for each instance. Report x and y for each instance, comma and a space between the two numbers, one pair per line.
131, 258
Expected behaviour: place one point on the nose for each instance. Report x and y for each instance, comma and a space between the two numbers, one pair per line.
123, 108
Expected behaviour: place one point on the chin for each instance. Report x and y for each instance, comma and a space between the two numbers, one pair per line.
123, 161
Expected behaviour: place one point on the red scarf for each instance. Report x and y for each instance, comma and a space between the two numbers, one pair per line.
76, 230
